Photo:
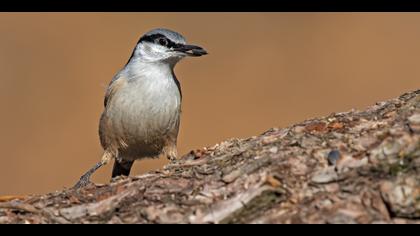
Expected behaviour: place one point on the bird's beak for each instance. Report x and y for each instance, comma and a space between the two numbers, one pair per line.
191, 50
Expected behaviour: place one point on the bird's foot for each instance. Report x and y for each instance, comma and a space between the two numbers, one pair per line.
83, 182
85, 179
119, 178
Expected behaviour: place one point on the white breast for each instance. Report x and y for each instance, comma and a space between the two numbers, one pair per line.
148, 106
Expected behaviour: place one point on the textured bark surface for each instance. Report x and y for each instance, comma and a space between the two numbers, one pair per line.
351, 167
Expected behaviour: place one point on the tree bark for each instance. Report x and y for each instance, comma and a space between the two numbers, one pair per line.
351, 167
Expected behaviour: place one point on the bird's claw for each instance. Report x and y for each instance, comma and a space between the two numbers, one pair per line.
83, 182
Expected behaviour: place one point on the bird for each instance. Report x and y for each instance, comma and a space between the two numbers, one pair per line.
142, 104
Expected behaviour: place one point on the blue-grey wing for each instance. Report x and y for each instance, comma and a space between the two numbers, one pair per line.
113, 86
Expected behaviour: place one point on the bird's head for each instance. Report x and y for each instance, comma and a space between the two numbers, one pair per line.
164, 46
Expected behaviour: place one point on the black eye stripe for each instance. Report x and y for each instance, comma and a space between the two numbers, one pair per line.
154, 37
151, 38
162, 41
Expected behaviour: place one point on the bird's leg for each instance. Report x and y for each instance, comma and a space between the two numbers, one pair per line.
85, 179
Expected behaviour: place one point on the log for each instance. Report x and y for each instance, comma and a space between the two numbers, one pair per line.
350, 167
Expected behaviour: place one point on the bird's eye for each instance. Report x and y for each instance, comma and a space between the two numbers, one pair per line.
163, 41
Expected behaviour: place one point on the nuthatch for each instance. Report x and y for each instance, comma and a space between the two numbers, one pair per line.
143, 104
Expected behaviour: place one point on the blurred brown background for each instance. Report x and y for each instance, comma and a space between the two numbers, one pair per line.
263, 70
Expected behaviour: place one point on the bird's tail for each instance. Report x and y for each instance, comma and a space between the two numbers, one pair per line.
121, 167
